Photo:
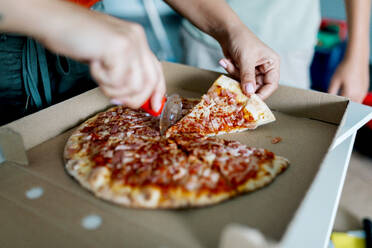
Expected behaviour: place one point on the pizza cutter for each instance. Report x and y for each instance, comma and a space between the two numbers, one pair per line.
170, 111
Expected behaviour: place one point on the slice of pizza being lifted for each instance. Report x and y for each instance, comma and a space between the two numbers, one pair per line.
224, 109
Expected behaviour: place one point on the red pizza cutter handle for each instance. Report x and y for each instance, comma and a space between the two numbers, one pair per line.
368, 101
147, 107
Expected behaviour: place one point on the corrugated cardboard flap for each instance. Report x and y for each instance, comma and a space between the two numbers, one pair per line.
11, 147
50, 122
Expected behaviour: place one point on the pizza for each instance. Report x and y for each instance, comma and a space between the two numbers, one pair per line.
224, 109
120, 156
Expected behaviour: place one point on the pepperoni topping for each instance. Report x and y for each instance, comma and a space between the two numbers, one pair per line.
276, 140
219, 112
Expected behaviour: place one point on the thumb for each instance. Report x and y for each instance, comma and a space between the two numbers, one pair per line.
248, 79
159, 92
334, 86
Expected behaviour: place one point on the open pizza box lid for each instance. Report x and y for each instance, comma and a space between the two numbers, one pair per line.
42, 206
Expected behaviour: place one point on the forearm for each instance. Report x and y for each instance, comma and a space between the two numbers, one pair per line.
36, 18
214, 17
21, 16
358, 19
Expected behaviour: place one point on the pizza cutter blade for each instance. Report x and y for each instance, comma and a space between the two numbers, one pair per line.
171, 113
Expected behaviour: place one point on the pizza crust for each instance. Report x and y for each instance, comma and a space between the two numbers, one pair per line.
261, 112
151, 197
270, 170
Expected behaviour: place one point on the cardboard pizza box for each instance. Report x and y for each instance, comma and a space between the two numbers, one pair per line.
42, 206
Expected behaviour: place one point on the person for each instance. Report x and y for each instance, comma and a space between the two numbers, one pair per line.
290, 28
115, 51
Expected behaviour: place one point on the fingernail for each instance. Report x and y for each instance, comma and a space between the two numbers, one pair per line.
222, 63
116, 102
157, 106
249, 88
157, 102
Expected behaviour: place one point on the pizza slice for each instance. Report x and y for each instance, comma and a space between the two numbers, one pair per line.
224, 109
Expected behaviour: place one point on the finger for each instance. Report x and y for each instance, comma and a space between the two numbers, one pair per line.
100, 75
266, 66
133, 84
347, 92
146, 80
248, 78
142, 83
130, 83
259, 81
136, 100
115, 68
353, 93
119, 92
153, 75
270, 83
114, 78
230, 67
159, 92
98, 72
334, 86
344, 91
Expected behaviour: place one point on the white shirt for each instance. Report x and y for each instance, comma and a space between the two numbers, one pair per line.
284, 25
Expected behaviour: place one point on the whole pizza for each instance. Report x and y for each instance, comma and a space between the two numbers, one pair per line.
120, 156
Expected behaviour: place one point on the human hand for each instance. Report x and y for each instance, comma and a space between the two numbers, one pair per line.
117, 52
351, 79
252, 62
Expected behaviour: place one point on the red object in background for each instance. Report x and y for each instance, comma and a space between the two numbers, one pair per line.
342, 33
85, 3
147, 107
368, 101
364, 136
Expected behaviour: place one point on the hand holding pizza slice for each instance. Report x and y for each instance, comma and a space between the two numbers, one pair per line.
224, 109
